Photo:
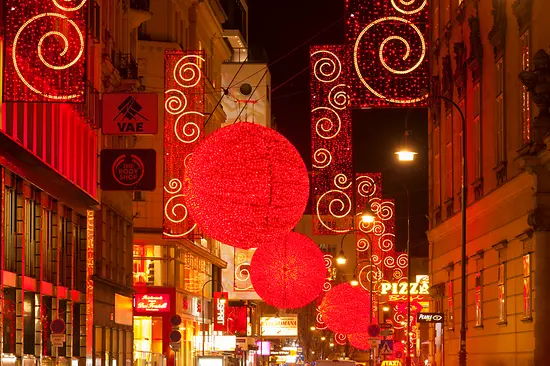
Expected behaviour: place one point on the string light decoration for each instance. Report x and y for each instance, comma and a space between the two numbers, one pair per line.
360, 341
345, 309
288, 274
331, 137
45, 50
183, 131
246, 185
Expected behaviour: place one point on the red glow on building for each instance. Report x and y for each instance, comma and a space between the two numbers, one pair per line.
45, 50
183, 130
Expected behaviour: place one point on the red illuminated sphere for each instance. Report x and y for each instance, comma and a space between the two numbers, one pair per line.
288, 274
360, 341
346, 309
246, 185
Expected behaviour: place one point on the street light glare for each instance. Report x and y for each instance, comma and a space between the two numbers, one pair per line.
405, 155
341, 258
312, 328
354, 282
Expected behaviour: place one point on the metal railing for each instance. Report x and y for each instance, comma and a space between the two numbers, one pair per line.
127, 66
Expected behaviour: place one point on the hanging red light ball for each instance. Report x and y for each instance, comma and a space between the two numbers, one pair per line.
246, 185
360, 341
288, 274
345, 309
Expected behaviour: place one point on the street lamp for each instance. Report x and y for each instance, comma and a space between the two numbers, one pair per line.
354, 282
463, 202
222, 300
341, 257
405, 151
312, 328
367, 216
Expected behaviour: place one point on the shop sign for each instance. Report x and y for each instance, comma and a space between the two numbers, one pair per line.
128, 169
152, 303
225, 343
129, 113
220, 311
394, 288
430, 317
285, 326
57, 339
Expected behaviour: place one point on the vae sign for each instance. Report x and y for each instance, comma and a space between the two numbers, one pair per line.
429, 317
152, 303
220, 311
130, 113
128, 169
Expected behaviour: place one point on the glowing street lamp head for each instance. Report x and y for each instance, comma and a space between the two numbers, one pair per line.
354, 282
405, 152
223, 300
312, 328
341, 258
367, 216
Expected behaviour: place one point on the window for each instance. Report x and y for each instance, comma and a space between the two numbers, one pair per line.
10, 218
499, 112
450, 306
477, 131
525, 96
479, 300
29, 237
437, 167
449, 155
501, 293
48, 251
461, 105
527, 300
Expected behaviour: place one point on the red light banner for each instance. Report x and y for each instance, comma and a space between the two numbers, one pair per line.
152, 303
183, 130
220, 311
45, 48
237, 320
90, 268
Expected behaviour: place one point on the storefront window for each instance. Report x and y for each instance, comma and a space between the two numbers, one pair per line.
527, 300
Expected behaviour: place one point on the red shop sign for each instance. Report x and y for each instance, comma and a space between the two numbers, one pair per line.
152, 303
220, 311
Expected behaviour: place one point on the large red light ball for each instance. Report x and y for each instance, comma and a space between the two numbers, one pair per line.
360, 341
246, 185
346, 309
288, 274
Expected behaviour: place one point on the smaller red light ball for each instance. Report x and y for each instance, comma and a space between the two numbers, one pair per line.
288, 274
346, 309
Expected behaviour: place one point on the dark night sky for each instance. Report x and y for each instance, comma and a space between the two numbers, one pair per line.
279, 26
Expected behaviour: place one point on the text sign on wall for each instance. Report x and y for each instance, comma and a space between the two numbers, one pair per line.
279, 326
394, 288
128, 169
152, 303
220, 311
430, 317
129, 113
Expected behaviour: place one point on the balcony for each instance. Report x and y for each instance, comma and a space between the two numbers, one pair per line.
139, 12
127, 66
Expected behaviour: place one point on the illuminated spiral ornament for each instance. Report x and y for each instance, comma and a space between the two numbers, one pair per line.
402, 260
382, 208
50, 42
189, 131
376, 259
341, 181
176, 101
385, 242
328, 124
397, 273
187, 72
242, 274
337, 204
340, 339
175, 209
403, 33
409, 7
378, 228
319, 320
321, 158
327, 286
338, 97
366, 186
370, 274
328, 67
328, 261
363, 244
389, 262
77, 6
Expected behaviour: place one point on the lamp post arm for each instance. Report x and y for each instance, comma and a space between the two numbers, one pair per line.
203, 311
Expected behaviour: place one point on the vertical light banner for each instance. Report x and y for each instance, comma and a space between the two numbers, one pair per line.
332, 177
90, 243
45, 50
183, 130
220, 311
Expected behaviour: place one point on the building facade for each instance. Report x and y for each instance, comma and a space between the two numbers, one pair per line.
480, 51
176, 273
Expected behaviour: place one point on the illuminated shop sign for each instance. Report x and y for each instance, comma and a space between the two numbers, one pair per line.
284, 326
220, 311
430, 317
152, 303
394, 288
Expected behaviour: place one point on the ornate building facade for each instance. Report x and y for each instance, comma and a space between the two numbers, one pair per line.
491, 58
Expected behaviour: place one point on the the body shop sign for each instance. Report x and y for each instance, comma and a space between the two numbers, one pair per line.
220, 311
284, 326
152, 303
